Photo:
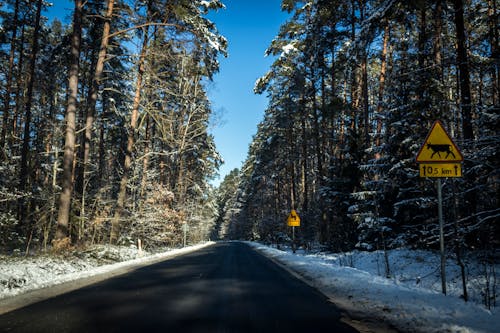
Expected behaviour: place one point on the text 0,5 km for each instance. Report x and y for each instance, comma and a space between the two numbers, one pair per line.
440, 170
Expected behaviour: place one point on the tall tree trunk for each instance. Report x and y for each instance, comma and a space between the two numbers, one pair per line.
304, 166
438, 42
438, 57
122, 194
470, 206
291, 166
354, 92
92, 99
381, 85
495, 50
149, 132
20, 97
365, 99
102, 154
69, 146
463, 71
333, 120
422, 39
317, 137
364, 83
24, 173
163, 166
145, 162
8, 83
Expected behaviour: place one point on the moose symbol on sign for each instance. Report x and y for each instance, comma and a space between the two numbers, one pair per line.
441, 148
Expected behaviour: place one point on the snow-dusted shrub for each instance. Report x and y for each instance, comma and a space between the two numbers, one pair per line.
9, 235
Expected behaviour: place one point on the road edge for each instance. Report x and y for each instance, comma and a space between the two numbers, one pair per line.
13, 303
349, 316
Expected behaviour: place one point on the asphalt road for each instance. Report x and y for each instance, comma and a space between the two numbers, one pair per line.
227, 287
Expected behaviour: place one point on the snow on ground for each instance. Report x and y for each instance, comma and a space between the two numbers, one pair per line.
411, 299
20, 275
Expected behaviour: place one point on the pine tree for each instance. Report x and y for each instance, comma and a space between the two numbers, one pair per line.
70, 138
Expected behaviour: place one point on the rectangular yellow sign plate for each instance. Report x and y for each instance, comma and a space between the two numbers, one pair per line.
440, 170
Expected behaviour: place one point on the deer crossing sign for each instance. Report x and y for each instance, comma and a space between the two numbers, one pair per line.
438, 147
439, 156
293, 219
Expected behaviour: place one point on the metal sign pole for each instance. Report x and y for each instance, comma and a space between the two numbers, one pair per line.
293, 221
441, 236
184, 227
439, 157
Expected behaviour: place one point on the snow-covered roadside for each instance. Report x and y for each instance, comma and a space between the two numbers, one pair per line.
21, 276
403, 302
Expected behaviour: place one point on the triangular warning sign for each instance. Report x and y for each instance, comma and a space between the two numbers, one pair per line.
293, 219
439, 147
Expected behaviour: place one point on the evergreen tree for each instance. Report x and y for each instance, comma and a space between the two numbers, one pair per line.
352, 94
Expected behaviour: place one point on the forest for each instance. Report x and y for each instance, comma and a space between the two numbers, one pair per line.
354, 89
105, 126
105, 123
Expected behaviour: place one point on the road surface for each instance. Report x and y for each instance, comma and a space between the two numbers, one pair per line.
227, 287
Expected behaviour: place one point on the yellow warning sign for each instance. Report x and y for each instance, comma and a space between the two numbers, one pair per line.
293, 219
438, 146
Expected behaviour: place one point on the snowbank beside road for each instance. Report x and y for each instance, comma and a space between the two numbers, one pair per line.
22, 275
411, 301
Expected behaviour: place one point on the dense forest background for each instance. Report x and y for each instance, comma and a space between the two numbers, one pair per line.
353, 92
104, 123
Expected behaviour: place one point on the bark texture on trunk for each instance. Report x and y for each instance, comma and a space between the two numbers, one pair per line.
69, 146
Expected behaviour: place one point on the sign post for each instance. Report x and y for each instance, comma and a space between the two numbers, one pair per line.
439, 157
441, 236
185, 229
293, 221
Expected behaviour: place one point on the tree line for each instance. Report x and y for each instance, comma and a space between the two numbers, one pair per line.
353, 92
104, 122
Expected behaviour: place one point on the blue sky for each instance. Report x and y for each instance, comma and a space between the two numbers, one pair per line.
249, 26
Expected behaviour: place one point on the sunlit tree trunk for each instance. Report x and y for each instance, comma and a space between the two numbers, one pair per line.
91, 101
69, 146
122, 194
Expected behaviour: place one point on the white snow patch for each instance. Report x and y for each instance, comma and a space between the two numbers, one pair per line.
410, 300
19, 275
288, 48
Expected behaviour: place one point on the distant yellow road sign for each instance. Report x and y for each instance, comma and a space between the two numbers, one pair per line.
293, 219
442, 170
439, 147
